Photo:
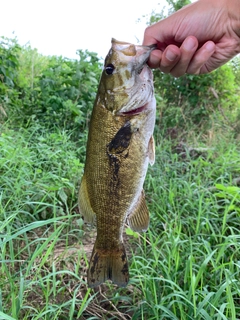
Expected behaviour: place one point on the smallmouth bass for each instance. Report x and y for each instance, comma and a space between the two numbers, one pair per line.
120, 146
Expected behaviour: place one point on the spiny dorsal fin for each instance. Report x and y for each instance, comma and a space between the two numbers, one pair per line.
139, 219
84, 203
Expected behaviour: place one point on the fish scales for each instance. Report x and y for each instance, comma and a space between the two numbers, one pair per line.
120, 146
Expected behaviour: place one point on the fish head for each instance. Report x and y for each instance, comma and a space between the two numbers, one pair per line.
126, 84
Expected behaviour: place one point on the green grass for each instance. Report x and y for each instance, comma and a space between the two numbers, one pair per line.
192, 251
187, 266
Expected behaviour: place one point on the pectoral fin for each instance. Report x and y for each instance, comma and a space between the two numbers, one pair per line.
151, 151
139, 219
84, 203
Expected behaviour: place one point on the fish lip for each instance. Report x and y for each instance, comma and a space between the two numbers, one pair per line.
144, 108
135, 111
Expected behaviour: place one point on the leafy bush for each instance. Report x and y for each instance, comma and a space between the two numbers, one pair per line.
9, 66
196, 100
54, 91
67, 91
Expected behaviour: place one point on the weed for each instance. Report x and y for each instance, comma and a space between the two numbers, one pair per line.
186, 266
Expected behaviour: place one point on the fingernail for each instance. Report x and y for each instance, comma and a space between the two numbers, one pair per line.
189, 44
210, 46
170, 55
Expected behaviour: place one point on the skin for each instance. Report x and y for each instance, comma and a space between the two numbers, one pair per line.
197, 39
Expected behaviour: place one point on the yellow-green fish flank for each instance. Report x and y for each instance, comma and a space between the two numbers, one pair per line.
120, 146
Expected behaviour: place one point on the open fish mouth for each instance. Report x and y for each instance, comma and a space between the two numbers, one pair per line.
135, 111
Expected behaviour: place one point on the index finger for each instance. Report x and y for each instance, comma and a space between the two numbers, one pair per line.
155, 59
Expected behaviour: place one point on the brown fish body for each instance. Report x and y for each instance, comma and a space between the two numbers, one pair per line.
120, 146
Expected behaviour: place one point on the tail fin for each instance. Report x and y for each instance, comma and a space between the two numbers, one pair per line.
108, 265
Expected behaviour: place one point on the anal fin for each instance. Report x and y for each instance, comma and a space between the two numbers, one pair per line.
84, 202
139, 219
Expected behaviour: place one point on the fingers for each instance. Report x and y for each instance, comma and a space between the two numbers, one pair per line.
186, 59
173, 59
170, 57
188, 49
201, 59
155, 59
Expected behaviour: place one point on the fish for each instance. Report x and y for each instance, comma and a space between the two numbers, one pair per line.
120, 146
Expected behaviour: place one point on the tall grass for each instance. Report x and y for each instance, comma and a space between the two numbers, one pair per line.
187, 265
191, 253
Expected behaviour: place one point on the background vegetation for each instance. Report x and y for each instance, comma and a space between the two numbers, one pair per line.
187, 265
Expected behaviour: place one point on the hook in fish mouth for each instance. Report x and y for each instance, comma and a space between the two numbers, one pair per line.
153, 46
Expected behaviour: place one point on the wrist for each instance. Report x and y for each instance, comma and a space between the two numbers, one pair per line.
228, 13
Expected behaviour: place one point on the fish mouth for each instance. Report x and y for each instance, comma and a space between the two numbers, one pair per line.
135, 111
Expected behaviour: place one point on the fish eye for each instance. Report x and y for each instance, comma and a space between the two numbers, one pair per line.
109, 68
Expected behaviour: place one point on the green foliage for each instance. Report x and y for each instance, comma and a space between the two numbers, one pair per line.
9, 66
191, 253
177, 4
195, 100
67, 90
235, 62
173, 5
230, 196
37, 170
54, 91
186, 266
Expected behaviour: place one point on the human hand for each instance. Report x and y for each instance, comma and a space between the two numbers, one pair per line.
197, 39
